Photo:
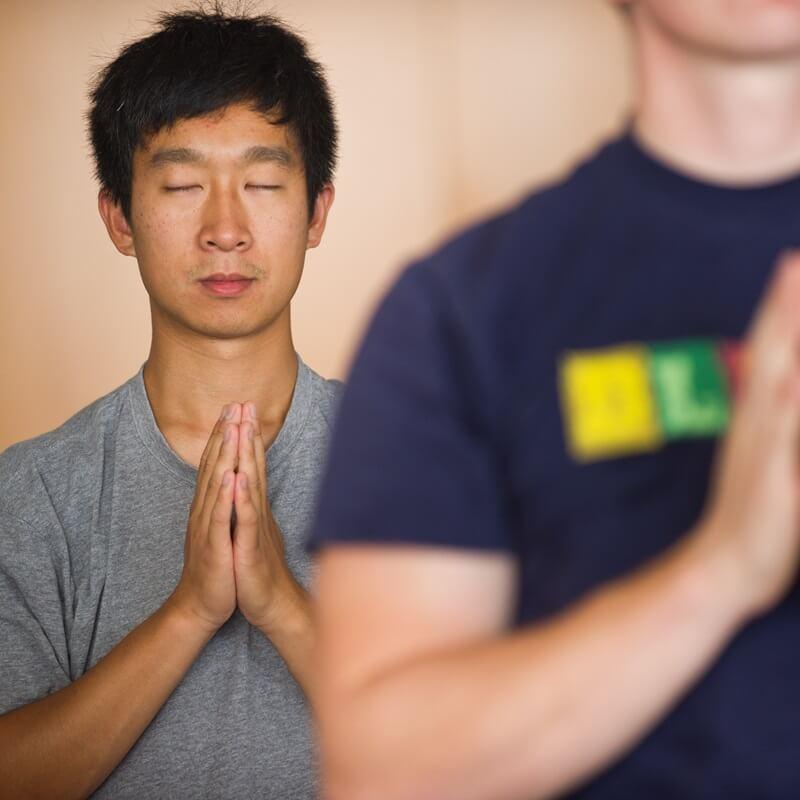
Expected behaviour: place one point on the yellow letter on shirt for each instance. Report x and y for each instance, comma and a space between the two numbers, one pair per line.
608, 404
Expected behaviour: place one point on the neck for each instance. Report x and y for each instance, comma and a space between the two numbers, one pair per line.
729, 121
189, 378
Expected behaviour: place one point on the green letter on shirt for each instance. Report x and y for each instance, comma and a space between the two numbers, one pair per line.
690, 388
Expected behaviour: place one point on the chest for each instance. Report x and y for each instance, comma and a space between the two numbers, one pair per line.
581, 522
137, 549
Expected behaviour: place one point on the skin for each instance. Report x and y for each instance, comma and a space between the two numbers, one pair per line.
734, 30
480, 711
226, 193
717, 94
208, 353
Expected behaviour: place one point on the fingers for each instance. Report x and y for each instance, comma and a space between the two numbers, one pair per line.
212, 438
260, 449
247, 514
219, 525
768, 413
211, 452
232, 412
236, 420
775, 338
225, 461
251, 454
230, 415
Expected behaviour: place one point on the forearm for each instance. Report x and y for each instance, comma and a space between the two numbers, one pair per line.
65, 745
532, 713
292, 634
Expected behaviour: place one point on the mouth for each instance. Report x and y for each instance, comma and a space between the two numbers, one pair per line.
226, 285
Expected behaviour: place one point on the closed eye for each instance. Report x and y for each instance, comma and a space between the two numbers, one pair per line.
181, 188
263, 186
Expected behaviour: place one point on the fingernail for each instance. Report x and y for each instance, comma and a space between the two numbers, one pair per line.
251, 411
229, 411
224, 412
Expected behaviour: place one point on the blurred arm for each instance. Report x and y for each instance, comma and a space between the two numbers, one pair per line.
425, 696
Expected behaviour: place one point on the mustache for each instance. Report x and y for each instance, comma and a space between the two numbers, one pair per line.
246, 268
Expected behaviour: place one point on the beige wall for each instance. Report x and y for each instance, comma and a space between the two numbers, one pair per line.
448, 108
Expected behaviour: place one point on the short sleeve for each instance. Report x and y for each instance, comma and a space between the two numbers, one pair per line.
34, 659
412, 460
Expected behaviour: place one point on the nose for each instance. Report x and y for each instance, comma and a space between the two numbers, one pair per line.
225, 226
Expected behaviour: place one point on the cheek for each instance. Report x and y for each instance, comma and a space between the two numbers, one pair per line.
282, 251
287, 226
158, 233
162, 254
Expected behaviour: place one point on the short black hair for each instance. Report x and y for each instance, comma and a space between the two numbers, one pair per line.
198, 62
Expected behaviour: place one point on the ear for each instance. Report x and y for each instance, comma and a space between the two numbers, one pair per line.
316, 225
118, 227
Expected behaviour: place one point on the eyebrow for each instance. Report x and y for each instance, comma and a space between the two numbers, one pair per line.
261, 153
253, 155
177, 155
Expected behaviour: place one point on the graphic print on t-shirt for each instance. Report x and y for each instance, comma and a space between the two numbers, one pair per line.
632, 398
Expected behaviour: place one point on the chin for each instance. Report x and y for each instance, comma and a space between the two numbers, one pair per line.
229, 332
223, 329
742, 29
222, 324
765, 28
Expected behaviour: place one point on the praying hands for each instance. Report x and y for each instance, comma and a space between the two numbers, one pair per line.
237, 559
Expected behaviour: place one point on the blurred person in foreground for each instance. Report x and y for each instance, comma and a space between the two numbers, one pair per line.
154, 620
530, 583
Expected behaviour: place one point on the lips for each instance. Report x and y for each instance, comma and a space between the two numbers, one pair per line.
227, 284
225, 276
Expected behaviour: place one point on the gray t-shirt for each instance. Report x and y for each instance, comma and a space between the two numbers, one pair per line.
92, 523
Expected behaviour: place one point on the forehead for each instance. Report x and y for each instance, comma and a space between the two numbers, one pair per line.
227, 135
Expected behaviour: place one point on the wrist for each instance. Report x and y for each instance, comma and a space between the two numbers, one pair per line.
289, 614
716, 570
186, 621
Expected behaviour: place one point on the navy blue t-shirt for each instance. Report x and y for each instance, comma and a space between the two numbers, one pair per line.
451, 430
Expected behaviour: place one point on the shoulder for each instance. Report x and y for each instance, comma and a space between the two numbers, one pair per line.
521, 243
55, 468
513, 263
462, 318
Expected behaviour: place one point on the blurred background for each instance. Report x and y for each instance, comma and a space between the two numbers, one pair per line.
449, 110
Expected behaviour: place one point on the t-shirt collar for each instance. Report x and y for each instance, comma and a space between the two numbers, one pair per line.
152, 438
